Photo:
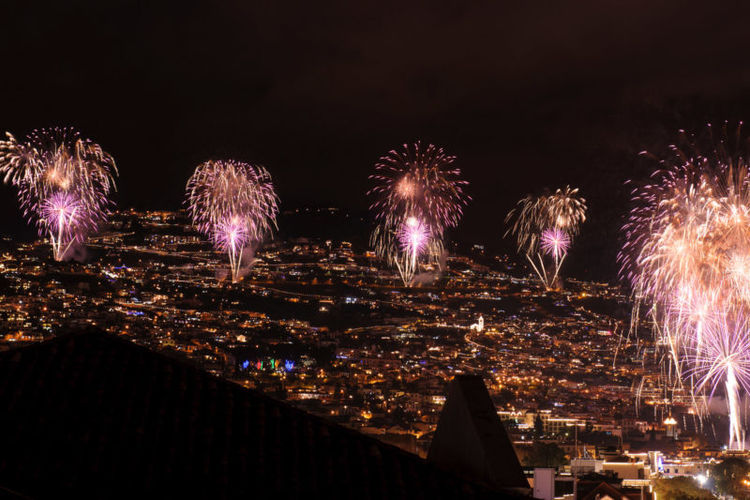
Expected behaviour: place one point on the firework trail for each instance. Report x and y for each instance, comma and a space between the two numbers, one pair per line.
63, 181
418, 194
234, 204
687, 257
545, 226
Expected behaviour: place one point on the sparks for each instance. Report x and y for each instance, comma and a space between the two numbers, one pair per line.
415, 184
544, 226
63, 181
555, 242
233, 203
687, 257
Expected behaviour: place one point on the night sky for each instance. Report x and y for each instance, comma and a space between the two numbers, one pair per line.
527, 94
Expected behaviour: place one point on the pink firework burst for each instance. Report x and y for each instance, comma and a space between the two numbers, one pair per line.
687, 257
61, 216
235, 204
63, 180
555, 242
415, 181
419, 181
60, 211
413, 236
231, 234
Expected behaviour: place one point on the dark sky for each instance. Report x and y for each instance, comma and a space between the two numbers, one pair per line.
527, 94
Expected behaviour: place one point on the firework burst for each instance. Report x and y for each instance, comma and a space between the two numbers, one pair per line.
233, 203
414, 238
545, 226
555, 242
687, 257
63, 181
415, 184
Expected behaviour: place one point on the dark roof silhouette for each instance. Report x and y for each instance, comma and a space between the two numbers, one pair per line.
616, 492
94, 415
471, 439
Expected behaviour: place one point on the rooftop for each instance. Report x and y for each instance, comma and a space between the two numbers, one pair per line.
93, 415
